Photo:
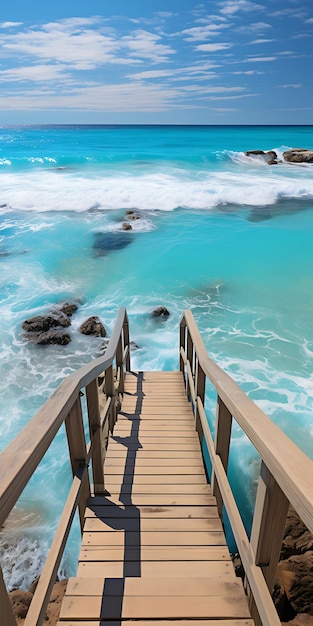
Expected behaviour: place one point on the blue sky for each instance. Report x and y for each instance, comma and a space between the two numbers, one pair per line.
148, 61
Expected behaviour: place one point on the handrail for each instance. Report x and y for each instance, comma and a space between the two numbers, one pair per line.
22, 456
285, 474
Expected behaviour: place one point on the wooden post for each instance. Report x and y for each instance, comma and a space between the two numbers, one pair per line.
110, 393
190, 359
119, 365
77, 449
268, 526
96, 435
221, 444
7, 617
269, 520
126, 342
200, 393
182, 344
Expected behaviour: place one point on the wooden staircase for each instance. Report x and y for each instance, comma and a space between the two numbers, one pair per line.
154, 549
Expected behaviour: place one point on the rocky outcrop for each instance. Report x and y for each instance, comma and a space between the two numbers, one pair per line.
93, 326
43, 323
298, 155
53, 337
126, 226
132, 215
160, 311
48, 329
20, 601
293, 592
269, 157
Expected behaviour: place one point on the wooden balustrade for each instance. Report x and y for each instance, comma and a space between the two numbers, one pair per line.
21, 458
285, 475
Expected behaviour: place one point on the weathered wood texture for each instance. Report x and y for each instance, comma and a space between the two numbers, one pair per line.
153, 547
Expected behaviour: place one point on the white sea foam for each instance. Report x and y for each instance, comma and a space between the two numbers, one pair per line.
65, 191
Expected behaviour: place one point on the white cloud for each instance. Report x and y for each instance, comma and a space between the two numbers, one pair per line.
292, 86
182, 73
150, 74
248, 72
310, 20
36, 73
198, 33
146, 45
74, 42
223, 109
104, 98
260, 59
230, 7
213, 47
259, 41
10, 24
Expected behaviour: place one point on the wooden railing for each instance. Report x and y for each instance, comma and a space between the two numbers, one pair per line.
20, 459
285, 474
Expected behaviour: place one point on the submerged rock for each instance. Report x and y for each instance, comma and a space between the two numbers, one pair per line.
270, 157
106, 242
298, 155
68, 308
126, 226
93, 326
160, 311
53, 337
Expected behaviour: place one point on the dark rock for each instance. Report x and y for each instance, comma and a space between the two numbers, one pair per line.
295, 576
20, 601
43, 323
134, 346
160, 311
270, 157
129, 212
297, 539
298, 155
93, 326
106, 242
52, 337
126, 226
68, 308
293, 591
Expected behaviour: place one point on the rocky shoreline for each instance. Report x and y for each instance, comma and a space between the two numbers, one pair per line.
295, 155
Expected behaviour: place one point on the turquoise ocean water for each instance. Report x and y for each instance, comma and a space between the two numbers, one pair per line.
219, 233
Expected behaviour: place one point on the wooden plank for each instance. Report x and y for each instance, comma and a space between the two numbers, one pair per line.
157, 446
142, 538
151, 607
161, 469
138, 462
155, 500
143, 479
154, 587
222, 570
150, 438
231, 622
155, 553
158, 410
163, 511
155, 427
159, 489
152, 454
148, 525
